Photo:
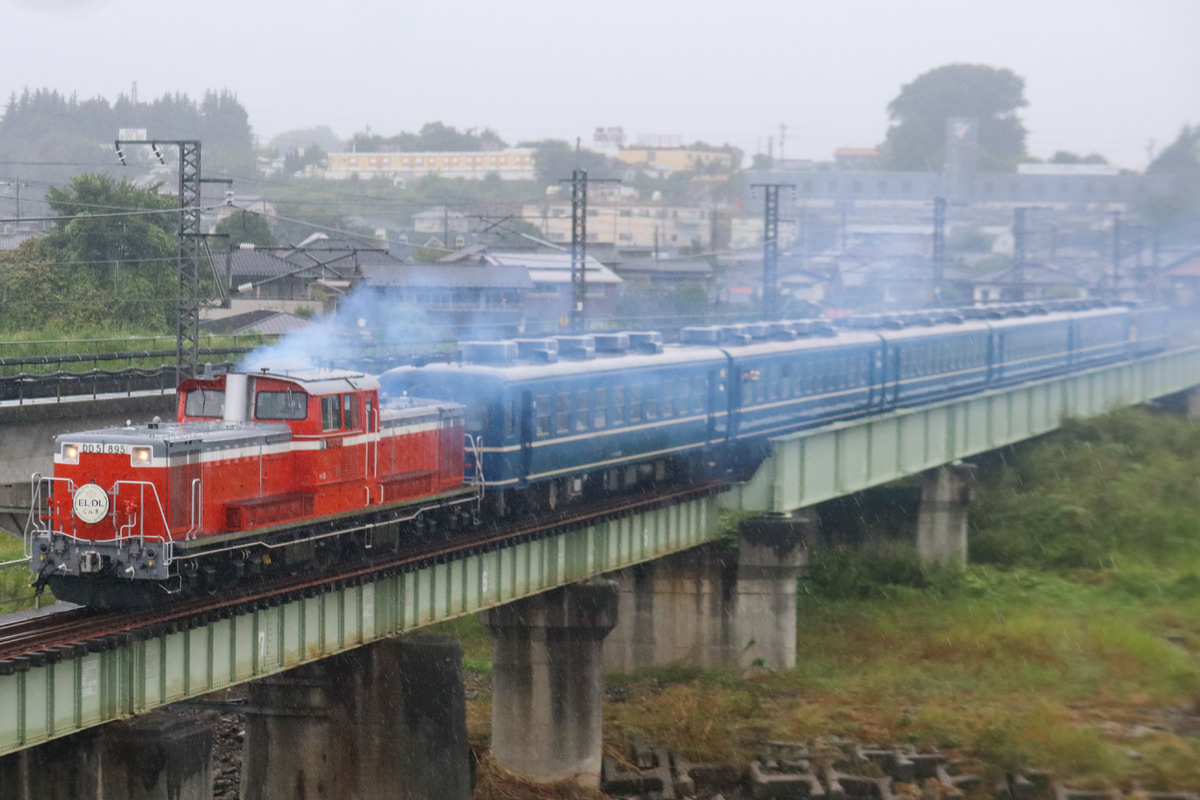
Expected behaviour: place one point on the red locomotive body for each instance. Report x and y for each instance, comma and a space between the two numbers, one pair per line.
256, 461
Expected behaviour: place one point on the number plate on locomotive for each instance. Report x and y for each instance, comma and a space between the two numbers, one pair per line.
118, 449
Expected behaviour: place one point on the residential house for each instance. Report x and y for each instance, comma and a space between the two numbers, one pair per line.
457, 300
627, 226
547, 304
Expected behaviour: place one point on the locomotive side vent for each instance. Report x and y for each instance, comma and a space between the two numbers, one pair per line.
502, 352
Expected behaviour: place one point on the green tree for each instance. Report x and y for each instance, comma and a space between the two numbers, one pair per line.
100, 264
916, 139
1178, 212
244, 227
434, 136
555, 159
321, 136
1067, 157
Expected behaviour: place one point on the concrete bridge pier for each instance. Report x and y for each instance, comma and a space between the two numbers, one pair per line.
155, 757
547, 681
946, 495
712, 606
384, 721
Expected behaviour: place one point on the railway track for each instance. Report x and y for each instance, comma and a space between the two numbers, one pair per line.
30, 641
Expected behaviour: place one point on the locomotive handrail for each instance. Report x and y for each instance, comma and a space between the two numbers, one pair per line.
196, 498
37, 523
167, 541
477, 451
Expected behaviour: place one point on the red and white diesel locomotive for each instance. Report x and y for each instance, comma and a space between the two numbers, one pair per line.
263, 470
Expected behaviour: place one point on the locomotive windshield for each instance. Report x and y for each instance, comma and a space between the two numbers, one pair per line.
208, 403
280, 405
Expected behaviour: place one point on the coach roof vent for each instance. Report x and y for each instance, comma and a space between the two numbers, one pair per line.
577, 347
502, 352
544, 351
700, 335
759, 330
646, 341
612, 342
735, 334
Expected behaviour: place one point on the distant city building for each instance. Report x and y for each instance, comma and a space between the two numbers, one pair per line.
631, 226
855, 158
677, 158
439, 220
1068, 169
748, 232
514, 164
547, 304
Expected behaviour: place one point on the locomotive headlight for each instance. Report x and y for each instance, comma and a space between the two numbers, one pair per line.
70, 454
141, 456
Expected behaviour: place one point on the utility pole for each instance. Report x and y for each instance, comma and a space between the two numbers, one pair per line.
770, 304
16, 183
579, 183
1116, 255
939, 247
1018, 264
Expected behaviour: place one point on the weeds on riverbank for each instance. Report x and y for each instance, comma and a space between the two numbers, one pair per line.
1072, 643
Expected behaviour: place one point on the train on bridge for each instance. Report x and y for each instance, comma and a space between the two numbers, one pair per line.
279, 470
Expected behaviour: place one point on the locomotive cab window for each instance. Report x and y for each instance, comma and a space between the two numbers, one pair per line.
280, 405
206, 403
350, 410
331, 412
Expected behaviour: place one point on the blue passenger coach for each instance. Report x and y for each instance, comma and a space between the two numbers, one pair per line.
622, 416
536, 422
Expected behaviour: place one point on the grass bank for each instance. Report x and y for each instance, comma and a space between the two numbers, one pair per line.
1070, 644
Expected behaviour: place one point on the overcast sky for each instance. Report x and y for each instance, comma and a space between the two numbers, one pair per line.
1103, 76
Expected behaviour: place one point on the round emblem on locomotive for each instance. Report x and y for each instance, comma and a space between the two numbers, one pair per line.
90, 503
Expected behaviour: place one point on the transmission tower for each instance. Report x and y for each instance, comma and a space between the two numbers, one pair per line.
579, 182
191, 243
939, 247
770, 291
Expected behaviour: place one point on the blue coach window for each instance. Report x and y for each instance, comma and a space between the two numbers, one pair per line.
562, 422
618, 405
543, 414
635, 404
581, 410
600, 412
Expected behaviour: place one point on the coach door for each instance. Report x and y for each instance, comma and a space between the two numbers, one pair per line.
528, 415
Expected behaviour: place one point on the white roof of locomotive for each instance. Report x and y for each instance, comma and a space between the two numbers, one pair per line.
319, 380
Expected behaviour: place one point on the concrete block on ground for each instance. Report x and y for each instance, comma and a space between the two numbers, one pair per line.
547, 681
